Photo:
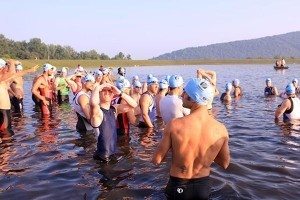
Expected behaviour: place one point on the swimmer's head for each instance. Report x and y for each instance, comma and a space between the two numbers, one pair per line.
64, 70
19, 68
151, 80
137, 84
167, 78
175, 81
295, 81
98, 73
122, 83
163, 84
105, 71
236, 82
88, 78
47, 67
135, 78
121, 71
290, 89
228, 87
199, 90
268, 82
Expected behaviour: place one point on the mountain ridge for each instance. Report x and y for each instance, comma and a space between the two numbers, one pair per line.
282, 45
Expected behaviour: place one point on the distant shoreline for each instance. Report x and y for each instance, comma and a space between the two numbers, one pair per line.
132, 63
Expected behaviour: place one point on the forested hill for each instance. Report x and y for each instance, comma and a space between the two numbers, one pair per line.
36, 49
284, 45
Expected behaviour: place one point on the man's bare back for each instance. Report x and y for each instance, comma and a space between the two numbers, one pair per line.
197, 140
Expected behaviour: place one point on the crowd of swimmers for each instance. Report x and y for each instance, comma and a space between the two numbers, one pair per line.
107, 105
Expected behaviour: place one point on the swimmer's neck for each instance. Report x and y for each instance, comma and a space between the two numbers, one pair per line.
198, 108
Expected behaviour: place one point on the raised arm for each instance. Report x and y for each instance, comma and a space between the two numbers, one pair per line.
84, 103
71, 83
19, 74
96, 114
211, 76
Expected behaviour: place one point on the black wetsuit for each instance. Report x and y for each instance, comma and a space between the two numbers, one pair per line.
269, 91
179, 188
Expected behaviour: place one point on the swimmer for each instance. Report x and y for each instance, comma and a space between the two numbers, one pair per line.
171, 105
196, 141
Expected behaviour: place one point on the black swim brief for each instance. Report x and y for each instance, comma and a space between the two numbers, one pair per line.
197, 188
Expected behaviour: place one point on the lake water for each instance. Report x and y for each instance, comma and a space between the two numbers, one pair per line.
48, 159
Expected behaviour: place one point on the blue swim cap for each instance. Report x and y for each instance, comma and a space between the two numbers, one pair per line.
98, 73
236, 82
163, 84
135, 78
290, 89
87, 78
47, 67
175, 81
105, 71
137, 84
295, 80
2, 63
167, 78
64, 70
151, 80
228, 87
200, 90
19, 67
122, 83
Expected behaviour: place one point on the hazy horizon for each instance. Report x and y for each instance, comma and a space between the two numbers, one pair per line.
145, 29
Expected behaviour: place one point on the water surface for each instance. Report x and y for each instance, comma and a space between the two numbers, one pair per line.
48, 159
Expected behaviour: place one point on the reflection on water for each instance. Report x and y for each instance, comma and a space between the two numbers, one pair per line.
46, 158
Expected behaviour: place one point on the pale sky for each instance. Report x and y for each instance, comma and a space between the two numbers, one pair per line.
145, 28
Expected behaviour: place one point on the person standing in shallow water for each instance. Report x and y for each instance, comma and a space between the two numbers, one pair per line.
196, 141
270, 90
147, 103
103, 117
290, 107
42, 90
17, 91
237, 90
225, 97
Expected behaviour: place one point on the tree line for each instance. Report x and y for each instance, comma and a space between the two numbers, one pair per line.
36, 49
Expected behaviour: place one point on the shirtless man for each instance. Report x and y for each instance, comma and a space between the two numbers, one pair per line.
42, 89
136, 95
237, 90
7, 69
106, 78
7, 73
17, 91
196, 141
